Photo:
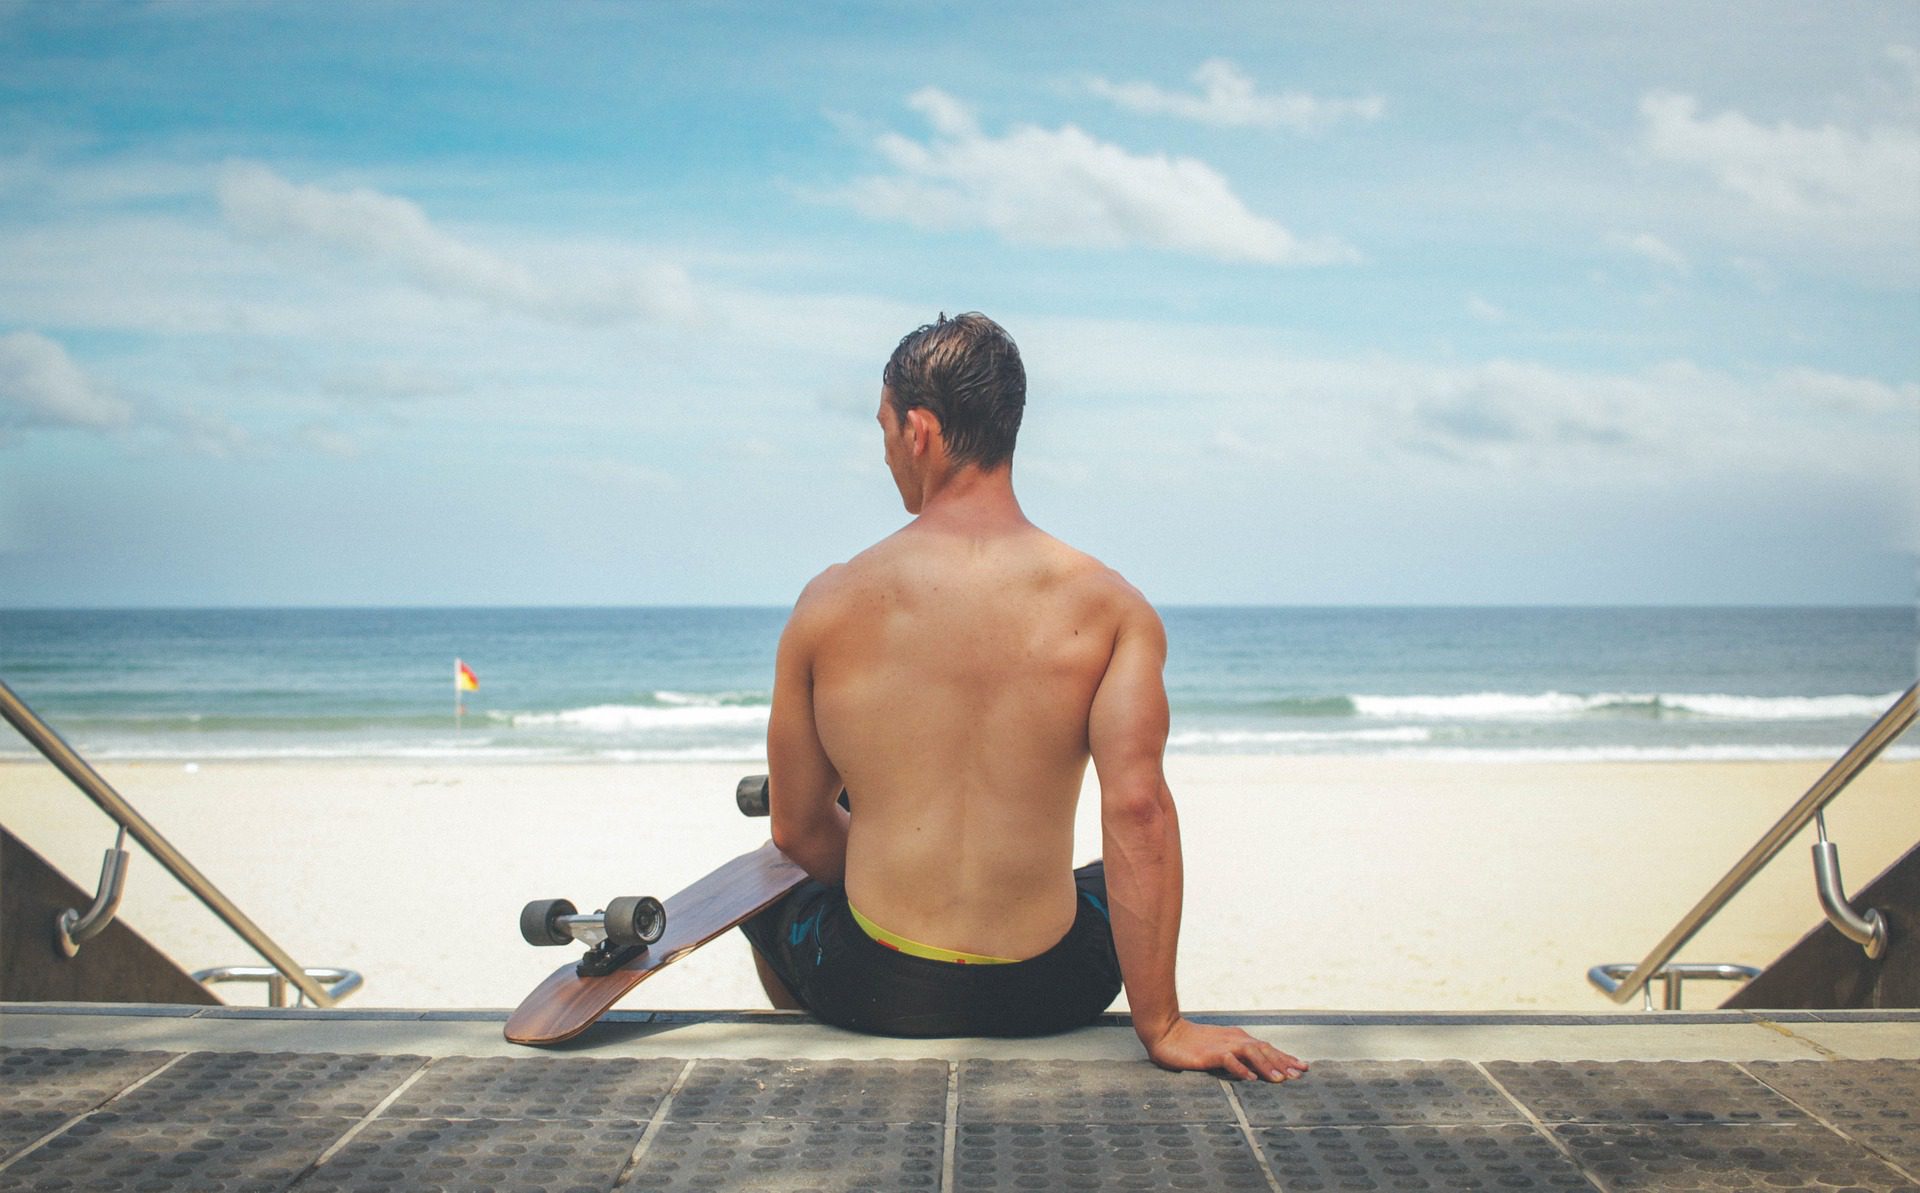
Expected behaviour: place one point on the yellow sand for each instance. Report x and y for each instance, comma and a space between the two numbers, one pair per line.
1336, 883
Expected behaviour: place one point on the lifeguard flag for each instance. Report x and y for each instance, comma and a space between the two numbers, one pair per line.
463, 677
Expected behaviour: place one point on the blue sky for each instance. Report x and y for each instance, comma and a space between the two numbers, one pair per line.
587, 304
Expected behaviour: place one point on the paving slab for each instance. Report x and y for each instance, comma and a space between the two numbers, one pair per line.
879, 1091
480, 1156
153, 1152
1874, 1102
1642, 1092
1471, 1156
783, 1034
213, 1086
41, 1088
1863, 1040
1371, 1092
543, 1087
790, 1157
1098, 1156
260, 1120
1674, 1158
1102, 1091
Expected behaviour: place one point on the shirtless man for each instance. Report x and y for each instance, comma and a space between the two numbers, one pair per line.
954, 679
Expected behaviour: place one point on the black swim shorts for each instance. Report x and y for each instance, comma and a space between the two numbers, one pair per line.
845, 977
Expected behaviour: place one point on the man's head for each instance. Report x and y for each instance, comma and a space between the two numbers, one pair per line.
965, 372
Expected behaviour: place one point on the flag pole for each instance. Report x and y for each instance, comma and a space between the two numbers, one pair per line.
459, 700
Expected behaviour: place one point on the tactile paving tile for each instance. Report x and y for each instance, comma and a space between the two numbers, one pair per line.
208, 1086
148, 1152
1104, 1156
480, 1154
1506, 1156
40, 1088
1356, 1092
501, 1087
788, 1157
1676, 1157
1875, 1101
1099, 1091
1634, 1091
878, 1091
17, 1130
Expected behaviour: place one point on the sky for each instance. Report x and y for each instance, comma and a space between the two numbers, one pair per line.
587, 304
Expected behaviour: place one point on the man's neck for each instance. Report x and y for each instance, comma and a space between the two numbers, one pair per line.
973, 500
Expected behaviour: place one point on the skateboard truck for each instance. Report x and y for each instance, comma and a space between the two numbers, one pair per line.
630, 923
614, 936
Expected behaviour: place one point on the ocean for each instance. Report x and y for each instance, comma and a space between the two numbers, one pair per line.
677, 684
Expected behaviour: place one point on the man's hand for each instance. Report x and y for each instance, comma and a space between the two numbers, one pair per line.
1188, 1045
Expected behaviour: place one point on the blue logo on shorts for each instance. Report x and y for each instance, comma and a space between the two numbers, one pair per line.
802, 929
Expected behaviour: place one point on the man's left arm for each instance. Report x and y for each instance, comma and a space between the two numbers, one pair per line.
809, 825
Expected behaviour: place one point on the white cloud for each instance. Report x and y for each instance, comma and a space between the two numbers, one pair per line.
1825, 172
259, 203
208, 433
1652, 248
40, 385
1152, 386
1507, 412
607, 472
1836, 393
1064, 187
1485, 311
1230, 98
329, 441
383, 381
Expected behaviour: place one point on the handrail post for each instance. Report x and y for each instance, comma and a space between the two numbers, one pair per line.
73, 927
1868, 929
64, 758
1878, 736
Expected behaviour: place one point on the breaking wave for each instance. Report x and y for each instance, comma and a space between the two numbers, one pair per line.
1507, 705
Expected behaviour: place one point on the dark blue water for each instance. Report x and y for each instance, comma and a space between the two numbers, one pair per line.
645, 684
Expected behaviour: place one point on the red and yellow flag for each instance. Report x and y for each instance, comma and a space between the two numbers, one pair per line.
464, 680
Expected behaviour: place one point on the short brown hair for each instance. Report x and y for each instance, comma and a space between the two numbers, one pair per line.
966, 371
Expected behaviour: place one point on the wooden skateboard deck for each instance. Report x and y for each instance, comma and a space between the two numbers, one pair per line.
566, 1004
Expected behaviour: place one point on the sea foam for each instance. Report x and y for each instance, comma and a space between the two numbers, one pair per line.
1248, 737
1523, 706
628, 718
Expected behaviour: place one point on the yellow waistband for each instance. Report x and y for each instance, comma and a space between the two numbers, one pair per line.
914, 948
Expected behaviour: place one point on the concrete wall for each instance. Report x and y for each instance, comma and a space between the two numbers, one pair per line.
116, 966
1825, 970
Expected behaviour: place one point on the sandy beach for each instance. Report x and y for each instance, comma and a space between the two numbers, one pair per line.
1328, 882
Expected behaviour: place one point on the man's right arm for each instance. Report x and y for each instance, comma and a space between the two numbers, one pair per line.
807, 824
1127, 731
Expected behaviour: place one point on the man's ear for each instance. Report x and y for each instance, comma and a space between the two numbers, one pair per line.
923, 429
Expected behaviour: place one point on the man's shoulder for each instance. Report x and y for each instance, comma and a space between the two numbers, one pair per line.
1100, 582
842, 587
826, 589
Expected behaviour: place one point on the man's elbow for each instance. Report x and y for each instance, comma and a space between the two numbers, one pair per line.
787, 836
1137, 809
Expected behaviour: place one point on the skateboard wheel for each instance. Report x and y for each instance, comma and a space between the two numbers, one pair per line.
540, 921
635, 919
751, 795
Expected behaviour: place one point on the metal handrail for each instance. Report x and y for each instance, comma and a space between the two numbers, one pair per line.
342, 982
1673, 976
1891, 725
75, 768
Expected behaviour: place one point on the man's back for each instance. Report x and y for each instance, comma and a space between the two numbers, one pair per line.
957, 678
953, 674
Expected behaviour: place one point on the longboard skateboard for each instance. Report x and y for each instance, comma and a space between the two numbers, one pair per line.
637, 937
